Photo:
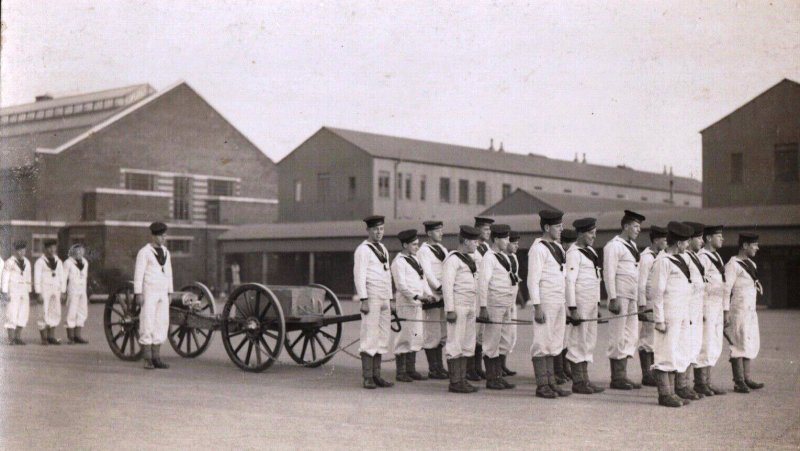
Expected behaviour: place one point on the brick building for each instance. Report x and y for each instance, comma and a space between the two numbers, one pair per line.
342, 174
99, 167
750, 157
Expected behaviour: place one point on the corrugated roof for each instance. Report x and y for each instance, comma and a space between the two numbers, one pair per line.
391, 147
748, 217
143, 90
525, 202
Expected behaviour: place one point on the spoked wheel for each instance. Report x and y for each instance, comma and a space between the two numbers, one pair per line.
189, 341
253, 327
313, 347
121, 324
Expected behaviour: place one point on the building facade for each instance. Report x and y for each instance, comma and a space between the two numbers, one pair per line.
100, 176
342, 174
750, 157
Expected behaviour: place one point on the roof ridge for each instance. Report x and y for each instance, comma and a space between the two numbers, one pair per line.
752, 99
83, 94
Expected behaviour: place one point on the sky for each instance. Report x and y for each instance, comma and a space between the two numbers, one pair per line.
623, 82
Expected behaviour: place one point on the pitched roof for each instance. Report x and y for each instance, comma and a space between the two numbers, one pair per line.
524, 202
781, 84
406, 149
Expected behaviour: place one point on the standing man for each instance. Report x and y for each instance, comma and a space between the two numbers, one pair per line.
497, 282
431, 256
583, 297
658, 242
621, 268
374, 288
50, 285
16, 286
561, 365
460, 293
741, 289
77, 270
152, 285
683, 383
713, 311
412, 292
546, 284
672, 288
475, 367
509, 339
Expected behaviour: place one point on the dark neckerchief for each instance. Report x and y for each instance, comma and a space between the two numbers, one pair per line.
698, 264
717, 261
750, 268
161, 256
632, 248
482, 249
437, 251
507, 266
557, 253
20, 263
589, 253
681, 264
414, 264
51, 263
379, 253
467, 261
78, 263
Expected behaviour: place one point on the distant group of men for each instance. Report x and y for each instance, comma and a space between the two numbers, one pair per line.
673, 303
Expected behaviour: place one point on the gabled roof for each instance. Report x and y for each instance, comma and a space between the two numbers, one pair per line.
785, 83
414, 150
138, 91
524, 202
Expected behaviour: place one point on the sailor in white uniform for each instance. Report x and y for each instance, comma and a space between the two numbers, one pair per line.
77, 269
50, 285
475, 367
16, 287
713, 312
431, 256
658, 242
683, 383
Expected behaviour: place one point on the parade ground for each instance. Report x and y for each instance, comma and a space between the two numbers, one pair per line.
82, 397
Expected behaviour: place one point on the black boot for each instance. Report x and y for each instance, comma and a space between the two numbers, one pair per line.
543, 389
479, 361
506, 370
682, 387
700, 384
551, 377
579, 385
753, 385
402, 368
411, 367
440, 361
11, 337
51, 336
433, 365
707, 378
366, 371
455, 377
148, 357
376, 373
18, 336
70, 335
492, 375
157, 362
646, 362
565, 365
43, 336
624, 368
472, 373
558, 370
585, 373
673, 382
618, 375
78, 338
665, 397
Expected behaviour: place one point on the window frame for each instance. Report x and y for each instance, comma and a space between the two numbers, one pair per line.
737, 172
786, 171
384, 189
480, 192
444, 190
176, 253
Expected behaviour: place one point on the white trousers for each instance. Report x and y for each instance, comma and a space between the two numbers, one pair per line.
493, 342
77, 309
410, 337
583, 337
509, 334
646, 333
623, 332
461, 334
154, 318
744, 333
376, 327
548, 338
696, 327
49, 313
713, 323
433, 332
671, 351
17, 309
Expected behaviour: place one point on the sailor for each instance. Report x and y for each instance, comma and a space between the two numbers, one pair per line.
460, 292
77, 270
152, 285
412, 293
497, 282
671, 284
431, 255
658, 242
546, 282
583, 297
621, 268
373, 281
475, 367
683, 387
16, 286
560, 364
741, 289
50, 285
713, 314
509, 334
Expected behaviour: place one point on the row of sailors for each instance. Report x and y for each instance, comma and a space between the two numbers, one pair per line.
53, 282
686, 327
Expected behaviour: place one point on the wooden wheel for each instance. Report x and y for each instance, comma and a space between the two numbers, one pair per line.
313, 346
188, 341
121, 324
253, 327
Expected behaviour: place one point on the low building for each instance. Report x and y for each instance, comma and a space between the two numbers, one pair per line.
521, 202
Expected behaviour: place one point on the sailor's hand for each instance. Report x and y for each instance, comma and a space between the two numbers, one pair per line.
364, 306
661, 327
726, 319
139, 299
573, 313
642, 315
484, 314
39, 298
613, 306
451, 317
538, 315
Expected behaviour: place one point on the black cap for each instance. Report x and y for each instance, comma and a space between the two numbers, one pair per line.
747, 238
632, 215
712, 229
551, 217
583, 225
569, 236
657, 232
500, 230
679, 231
49, 242
482, 221
697, 228
374, 221
158, 228
468, 233
407, 236
513, 236
432, 225
20, 244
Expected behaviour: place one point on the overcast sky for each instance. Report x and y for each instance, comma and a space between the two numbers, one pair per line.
628, 83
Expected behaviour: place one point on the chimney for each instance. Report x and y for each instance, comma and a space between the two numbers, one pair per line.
44, 97
501, 147
576, 158
665, 170
584, 158
671, 186
491, 144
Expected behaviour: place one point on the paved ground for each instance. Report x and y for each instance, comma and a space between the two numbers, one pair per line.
82, 397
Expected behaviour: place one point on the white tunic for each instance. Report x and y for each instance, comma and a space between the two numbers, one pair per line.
742, 291
372, 277
16, 283
154, 283
546, 280
409, 283
713, 319
460, 292
621, 269
495, 287
715, 286
50, 284
77, 301
670, 296
645, 265
583, 279
432, 266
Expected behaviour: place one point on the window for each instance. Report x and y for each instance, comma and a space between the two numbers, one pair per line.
351, 188
408, 186
399, 185
422, 187
323, 186
140, 182
89, 207
481, 195
181, 201
220, 187
620, 196
212, 211
537, 188
463, 191
444, 190
37, 242
786, 163
737, 168
595, 193
644, 198
506, 190
179, 246
686, 202
298, 191
383, 184
567, 190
